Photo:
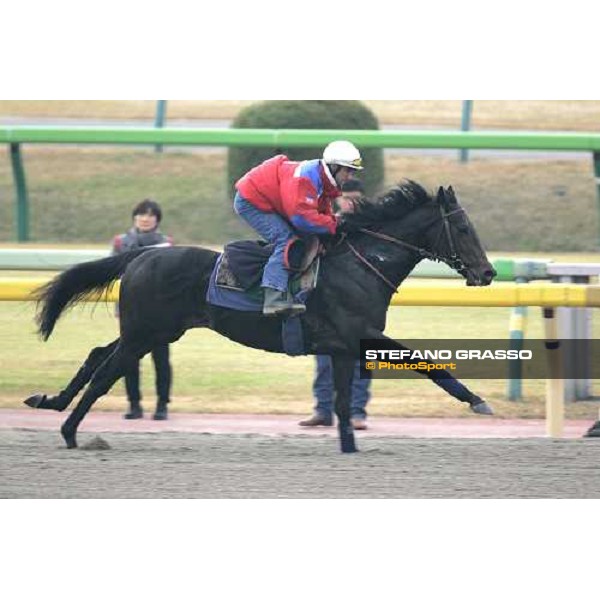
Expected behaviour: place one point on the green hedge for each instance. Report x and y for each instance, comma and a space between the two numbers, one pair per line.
305, 114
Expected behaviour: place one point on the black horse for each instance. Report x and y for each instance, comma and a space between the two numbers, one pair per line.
163, 293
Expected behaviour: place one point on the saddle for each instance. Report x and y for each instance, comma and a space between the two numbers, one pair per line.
242, 263
235, 281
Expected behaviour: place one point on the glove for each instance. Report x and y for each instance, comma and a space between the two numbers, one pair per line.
345, 225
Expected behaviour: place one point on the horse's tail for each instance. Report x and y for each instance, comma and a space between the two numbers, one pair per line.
74, 284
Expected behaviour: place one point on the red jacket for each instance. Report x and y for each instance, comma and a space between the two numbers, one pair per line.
299, 191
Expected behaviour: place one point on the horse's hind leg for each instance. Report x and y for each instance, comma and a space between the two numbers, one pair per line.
112, 369
343, 371
65, 397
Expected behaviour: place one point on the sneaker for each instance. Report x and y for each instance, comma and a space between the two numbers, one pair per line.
317, 420
359, 424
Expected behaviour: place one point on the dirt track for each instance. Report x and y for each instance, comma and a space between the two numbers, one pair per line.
34, 464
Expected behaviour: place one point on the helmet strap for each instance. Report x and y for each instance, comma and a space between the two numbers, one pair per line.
334, 169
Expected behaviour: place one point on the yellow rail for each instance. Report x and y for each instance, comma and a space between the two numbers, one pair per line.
23, 289
498, 294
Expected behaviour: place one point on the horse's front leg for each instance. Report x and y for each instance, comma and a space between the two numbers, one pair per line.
343, 370
442, 378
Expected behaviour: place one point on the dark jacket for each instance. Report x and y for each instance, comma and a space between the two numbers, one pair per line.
136, 239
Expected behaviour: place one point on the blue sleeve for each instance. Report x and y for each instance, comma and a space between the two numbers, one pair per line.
305, 226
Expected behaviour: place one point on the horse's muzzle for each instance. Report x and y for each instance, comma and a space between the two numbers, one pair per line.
481, 279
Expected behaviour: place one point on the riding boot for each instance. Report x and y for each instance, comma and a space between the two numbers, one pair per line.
277, 303
162, 412
135, 411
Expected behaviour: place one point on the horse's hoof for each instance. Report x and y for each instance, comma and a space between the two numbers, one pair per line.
70, 442
69, 438
35, 401
593, 431
482, 408
347, 442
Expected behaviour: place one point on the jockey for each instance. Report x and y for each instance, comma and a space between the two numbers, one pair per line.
282, 199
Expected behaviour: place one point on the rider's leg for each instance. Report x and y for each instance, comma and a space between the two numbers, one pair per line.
275, 230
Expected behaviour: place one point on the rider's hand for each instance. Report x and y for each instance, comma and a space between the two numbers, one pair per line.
345, 225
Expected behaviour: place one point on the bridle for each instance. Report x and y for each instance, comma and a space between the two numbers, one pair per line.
453, 260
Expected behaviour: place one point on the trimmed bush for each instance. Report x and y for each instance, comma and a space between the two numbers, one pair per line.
305, 114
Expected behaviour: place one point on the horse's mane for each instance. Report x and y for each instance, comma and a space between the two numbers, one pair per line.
395, 204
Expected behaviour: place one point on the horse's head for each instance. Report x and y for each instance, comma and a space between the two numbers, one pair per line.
432, 227
456, 241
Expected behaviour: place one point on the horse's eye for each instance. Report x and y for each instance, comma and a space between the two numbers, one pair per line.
463, 229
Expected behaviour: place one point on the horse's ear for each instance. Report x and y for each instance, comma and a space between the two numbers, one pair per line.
442, 198
441, 194
450, 195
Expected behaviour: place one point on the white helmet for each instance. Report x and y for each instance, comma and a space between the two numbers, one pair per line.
343, 153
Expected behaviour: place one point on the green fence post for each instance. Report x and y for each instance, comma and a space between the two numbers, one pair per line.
465, 125
518, 321
597, 175
21, 207
159, 120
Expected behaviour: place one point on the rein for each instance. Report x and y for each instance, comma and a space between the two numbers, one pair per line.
453, 261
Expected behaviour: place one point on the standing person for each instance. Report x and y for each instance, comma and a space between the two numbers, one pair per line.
323, 389
145, 232
281, 199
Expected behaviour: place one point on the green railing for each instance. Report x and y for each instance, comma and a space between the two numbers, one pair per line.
477, 140
501, 140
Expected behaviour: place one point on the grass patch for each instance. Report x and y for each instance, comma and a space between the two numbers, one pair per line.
85, 195
516, 205
212, 374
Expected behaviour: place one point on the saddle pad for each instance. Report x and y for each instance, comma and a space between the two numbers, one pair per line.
292, 336
231, 297
242, 264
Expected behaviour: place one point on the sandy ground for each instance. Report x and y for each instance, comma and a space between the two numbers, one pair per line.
34, 464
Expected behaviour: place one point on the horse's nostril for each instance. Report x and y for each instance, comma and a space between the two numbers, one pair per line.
490, 273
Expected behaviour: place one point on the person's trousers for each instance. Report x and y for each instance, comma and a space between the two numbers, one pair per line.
324, 392
162, 368
275, 230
